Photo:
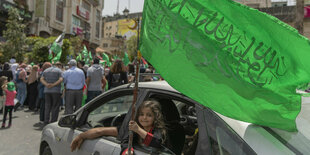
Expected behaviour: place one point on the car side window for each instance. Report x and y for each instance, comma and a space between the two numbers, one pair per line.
181, 122
189, 122
222, 138
104, 114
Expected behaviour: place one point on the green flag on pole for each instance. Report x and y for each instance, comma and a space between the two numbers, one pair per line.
115, 57
126, 59
55, 49
79, 57
90, 56
85, 55
57, 57
231, 58
106, 58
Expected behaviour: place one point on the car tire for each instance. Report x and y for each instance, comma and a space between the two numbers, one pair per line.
47, 150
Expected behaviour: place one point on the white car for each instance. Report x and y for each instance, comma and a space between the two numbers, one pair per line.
192, 128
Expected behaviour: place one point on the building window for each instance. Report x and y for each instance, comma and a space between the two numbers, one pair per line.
98, 23
86, 6
59, 10
76, 21
253, 5
105, 45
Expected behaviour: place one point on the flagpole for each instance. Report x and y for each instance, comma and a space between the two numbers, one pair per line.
135, 92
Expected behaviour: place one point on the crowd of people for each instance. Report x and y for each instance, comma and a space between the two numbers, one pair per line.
50, 88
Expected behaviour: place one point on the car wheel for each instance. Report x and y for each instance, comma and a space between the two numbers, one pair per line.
47, 150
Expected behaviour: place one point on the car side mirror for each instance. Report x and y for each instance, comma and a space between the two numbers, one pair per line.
67, 121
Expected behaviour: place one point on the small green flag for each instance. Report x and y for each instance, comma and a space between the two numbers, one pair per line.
86, 55
79, 57
231, 58
106, 58
55, 49
115, 57
126, 59
90, 56
57, 57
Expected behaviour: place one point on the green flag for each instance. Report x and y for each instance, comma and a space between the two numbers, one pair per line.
79, 57
236, 60
90, 56
55, 49
57, 57
85, 55
126, 59
115, 57
106, 58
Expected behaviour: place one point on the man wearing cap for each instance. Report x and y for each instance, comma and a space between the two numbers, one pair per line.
74, 81
51, 78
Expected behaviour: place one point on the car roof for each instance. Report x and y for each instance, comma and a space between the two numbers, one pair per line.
162, 85
240, 127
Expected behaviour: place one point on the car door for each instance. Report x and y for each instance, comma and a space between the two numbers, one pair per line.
218, 136
99, 112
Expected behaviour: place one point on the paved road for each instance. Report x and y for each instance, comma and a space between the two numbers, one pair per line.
23, 138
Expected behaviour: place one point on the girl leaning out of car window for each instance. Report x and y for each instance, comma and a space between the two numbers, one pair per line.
147, 130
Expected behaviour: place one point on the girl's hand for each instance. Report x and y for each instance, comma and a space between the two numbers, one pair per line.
133, 126
128, 153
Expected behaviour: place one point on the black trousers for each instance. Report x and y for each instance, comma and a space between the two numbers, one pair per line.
32, 95
73, 100
8, 109
52, 102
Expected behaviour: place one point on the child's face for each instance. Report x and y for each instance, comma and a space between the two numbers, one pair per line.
146, 118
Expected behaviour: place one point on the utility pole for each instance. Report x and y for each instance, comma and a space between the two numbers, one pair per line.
117, 9
128, 4
299, 22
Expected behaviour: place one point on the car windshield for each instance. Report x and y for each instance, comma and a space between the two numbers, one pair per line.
298, 142
112, 108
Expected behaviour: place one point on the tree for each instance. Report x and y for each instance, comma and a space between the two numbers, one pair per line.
67, 50
77, 46
131, 44
299, 22
40, 47
15, 37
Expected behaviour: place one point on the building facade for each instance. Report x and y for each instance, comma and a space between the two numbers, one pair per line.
284, 10
256, 3
76, 17
116, 30
73, 17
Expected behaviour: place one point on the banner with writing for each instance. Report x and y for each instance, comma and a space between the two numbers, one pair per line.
236, 60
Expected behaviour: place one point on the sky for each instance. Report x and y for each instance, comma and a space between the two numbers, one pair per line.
111, 5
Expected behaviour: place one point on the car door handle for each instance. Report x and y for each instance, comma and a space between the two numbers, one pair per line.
95, 153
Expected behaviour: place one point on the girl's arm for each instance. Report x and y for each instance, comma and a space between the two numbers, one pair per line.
92, 134
152, 138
